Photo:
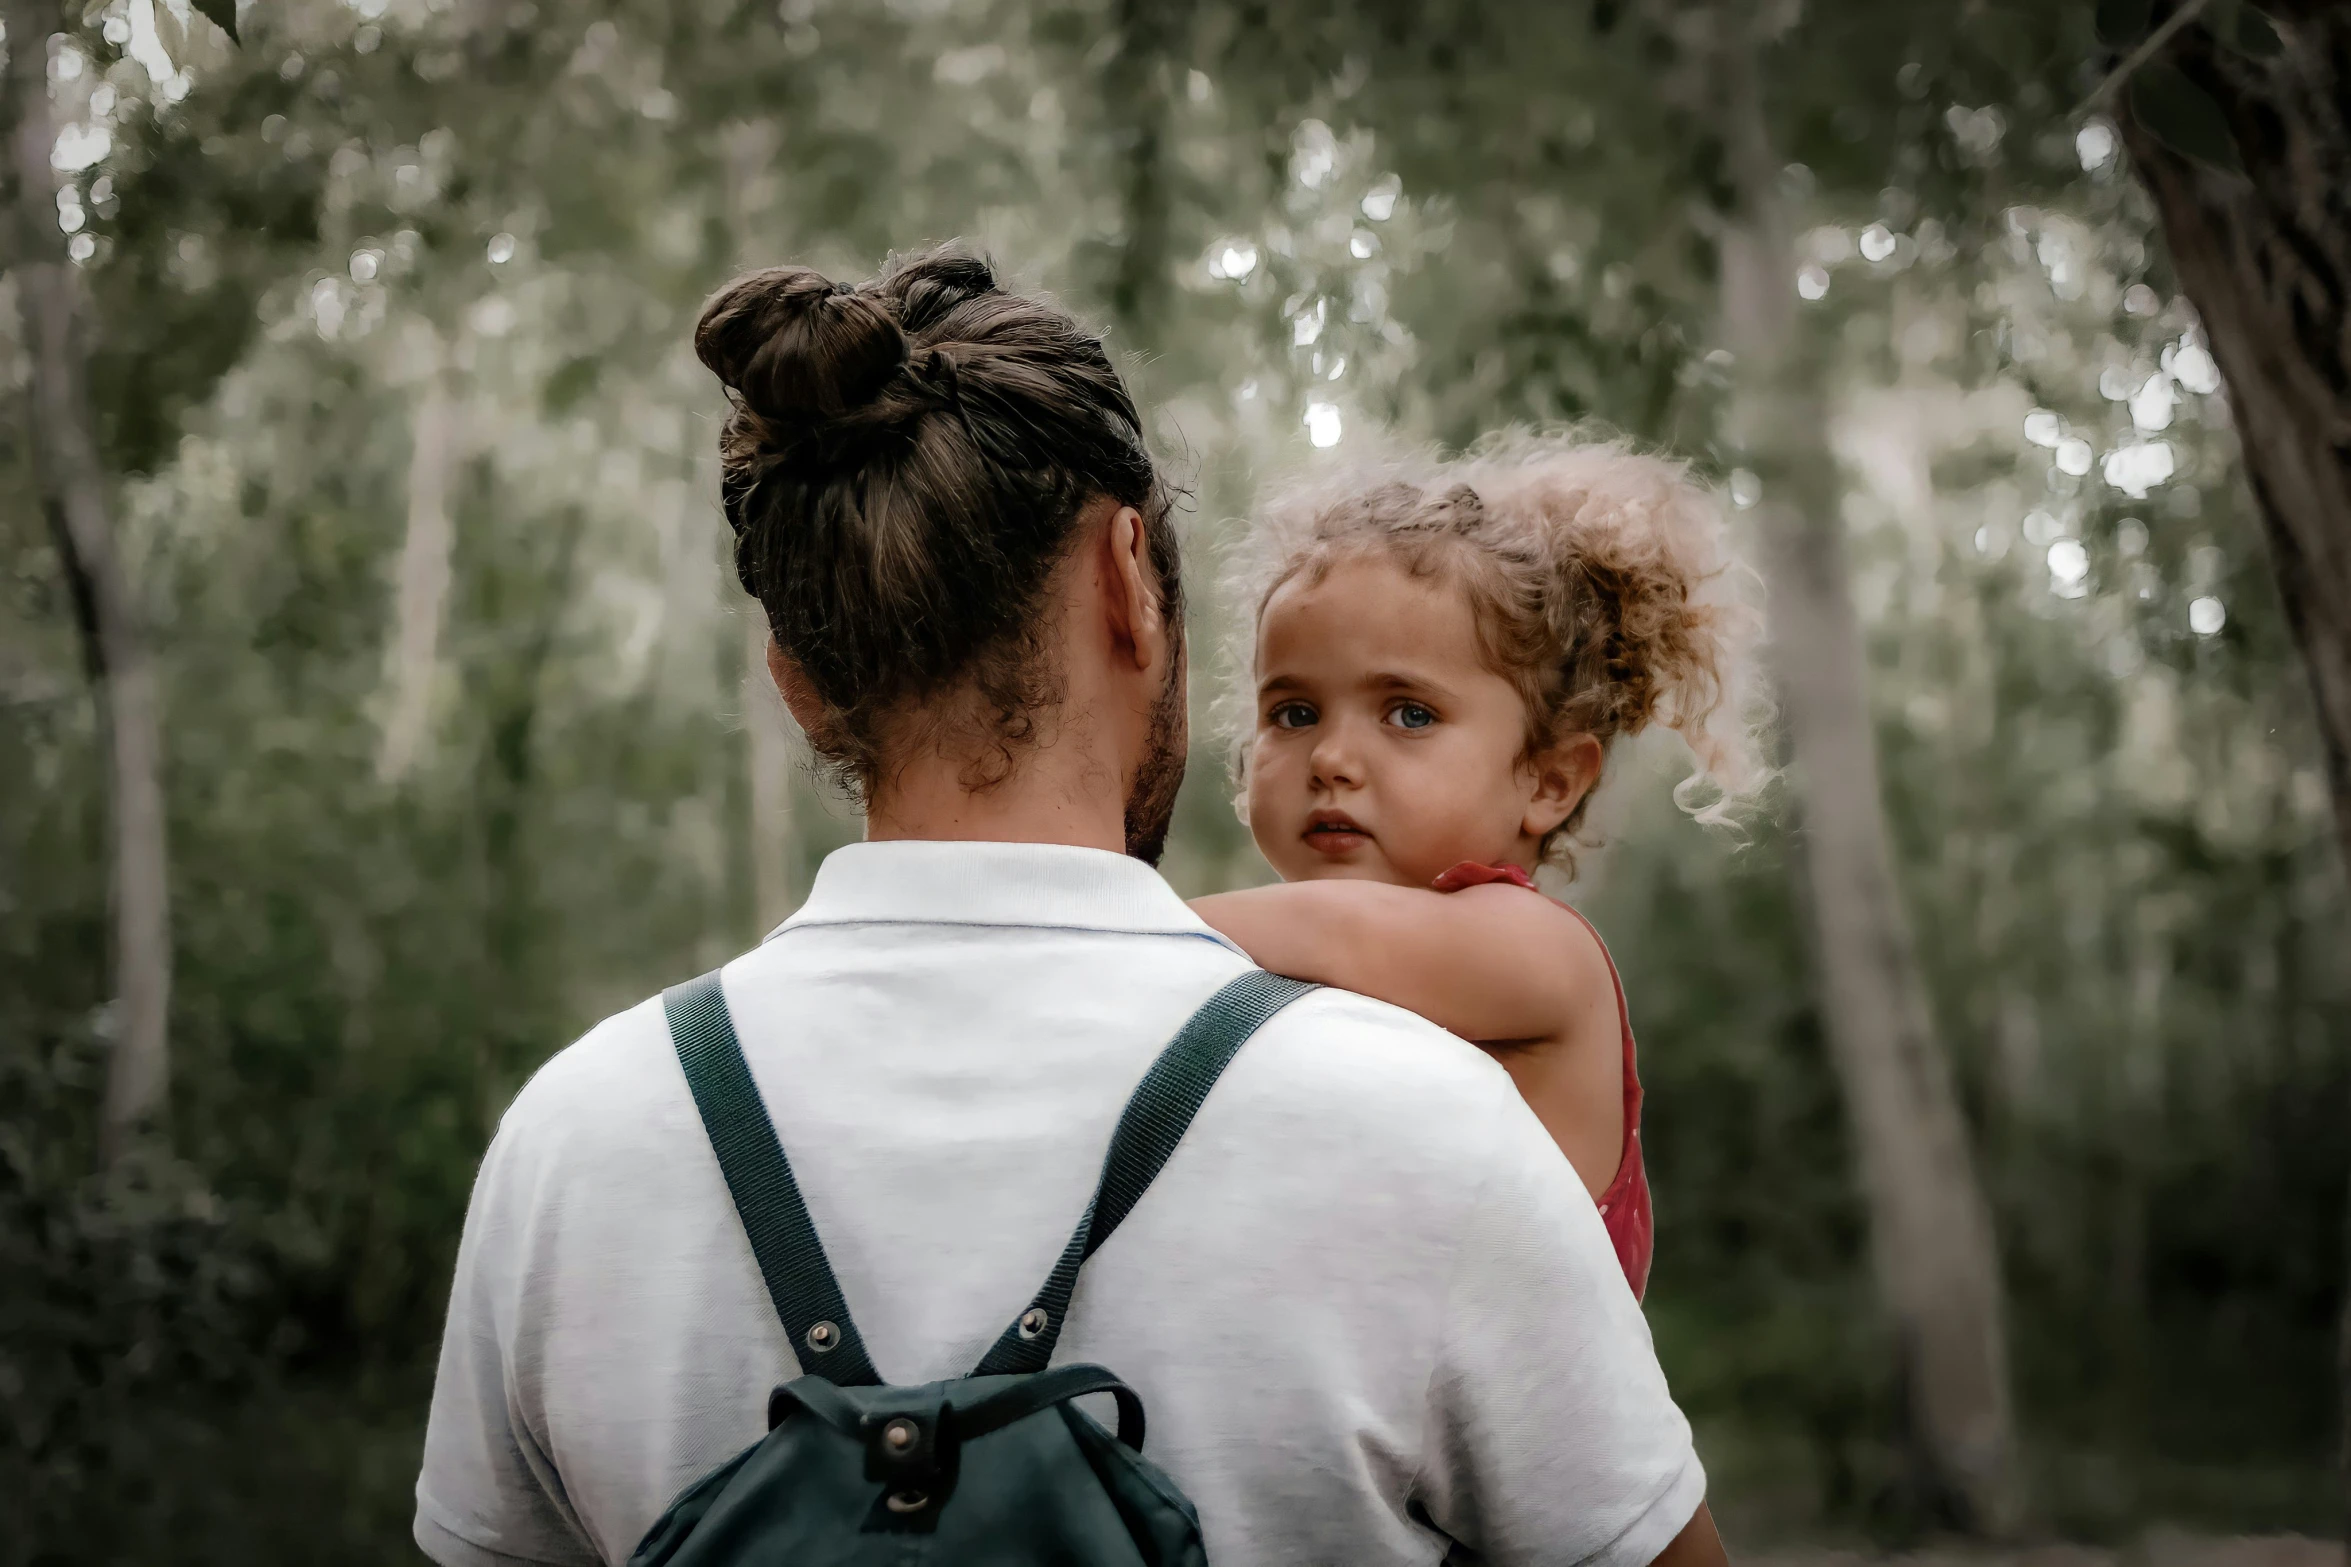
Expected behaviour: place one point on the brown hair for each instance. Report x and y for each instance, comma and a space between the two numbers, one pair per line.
1601, 581
905, 464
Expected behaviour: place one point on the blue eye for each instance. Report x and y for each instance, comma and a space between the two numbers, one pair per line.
1292, 715
1411, 715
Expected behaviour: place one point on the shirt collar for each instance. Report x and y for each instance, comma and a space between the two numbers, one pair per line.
907, 881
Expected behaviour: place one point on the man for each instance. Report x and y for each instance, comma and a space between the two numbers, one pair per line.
1371, 1311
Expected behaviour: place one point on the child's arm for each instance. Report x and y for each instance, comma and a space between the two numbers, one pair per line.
1491, 964
1497, 965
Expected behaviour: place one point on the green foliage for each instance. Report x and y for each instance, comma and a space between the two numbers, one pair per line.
2164, 99
2183, 116
2247, 30
1440, 218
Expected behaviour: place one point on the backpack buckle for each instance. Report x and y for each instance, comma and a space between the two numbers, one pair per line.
911, 1453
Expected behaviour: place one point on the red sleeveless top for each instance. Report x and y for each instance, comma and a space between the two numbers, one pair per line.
1624, 1206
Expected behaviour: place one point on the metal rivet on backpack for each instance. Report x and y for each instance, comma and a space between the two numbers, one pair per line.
1033, 1321
823, 1336
908, 1501
900, 1434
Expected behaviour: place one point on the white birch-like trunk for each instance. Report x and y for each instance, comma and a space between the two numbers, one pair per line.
422, 592
75, 492
1931, 1235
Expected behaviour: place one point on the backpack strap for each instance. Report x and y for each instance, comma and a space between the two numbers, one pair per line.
791, 1258
1149, 1128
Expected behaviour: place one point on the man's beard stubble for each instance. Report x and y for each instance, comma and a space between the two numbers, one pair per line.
1151, 798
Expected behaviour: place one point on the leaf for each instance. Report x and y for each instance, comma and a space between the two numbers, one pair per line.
2183, 117
2122, 22
222, 14
2251, 33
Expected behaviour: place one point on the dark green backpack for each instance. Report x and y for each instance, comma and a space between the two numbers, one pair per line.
998, 1467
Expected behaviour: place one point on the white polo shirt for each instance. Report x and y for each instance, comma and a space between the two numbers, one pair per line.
1370, 1309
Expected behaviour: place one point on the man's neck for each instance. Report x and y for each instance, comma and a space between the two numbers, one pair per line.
1055, 794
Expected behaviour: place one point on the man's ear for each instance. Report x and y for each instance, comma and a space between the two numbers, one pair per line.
1562, 774
1138, 618
792, 684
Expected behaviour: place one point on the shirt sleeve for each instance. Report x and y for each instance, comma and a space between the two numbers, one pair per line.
488, 1494
1552, 1437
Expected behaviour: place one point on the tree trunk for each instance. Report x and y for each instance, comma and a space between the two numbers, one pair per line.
421, 601
1930, 1227
1140, 92
2265, 257
74, 491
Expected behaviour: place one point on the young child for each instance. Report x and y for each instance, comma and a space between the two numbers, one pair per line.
1445, 655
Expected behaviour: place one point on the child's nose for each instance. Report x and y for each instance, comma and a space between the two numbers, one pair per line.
1336, 762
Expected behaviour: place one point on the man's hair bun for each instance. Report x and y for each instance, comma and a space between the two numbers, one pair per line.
940, 284
795, 346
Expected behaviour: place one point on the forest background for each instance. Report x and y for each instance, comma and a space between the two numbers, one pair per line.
407, 563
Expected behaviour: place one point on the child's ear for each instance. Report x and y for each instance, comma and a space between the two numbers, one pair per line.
1562, 774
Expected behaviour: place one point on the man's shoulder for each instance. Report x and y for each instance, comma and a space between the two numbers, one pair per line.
1332, 1024
619, 1079
1387, 1073
1389, 1077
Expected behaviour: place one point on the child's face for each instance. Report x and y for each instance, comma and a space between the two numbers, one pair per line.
1386, 749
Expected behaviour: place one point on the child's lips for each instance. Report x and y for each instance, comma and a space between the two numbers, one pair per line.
1335, 834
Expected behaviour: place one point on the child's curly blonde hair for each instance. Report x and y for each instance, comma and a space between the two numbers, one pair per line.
1602, 581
